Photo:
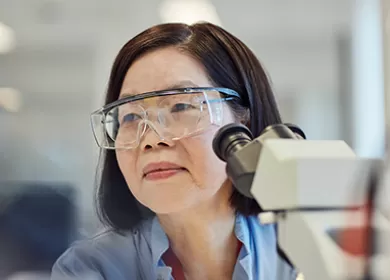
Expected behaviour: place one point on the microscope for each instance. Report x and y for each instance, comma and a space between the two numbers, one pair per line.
320, 195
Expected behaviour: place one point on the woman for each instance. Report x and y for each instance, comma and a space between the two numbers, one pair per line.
164, 194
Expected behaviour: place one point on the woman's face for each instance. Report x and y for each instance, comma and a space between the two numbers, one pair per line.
194, 174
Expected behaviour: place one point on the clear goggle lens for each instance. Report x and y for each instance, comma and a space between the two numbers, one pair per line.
171, 116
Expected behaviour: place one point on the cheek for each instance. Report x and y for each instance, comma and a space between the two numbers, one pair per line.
206, 168
126, 162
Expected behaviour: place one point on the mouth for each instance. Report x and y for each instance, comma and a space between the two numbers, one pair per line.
162, 170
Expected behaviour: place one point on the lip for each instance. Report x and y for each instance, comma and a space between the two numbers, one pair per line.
161, 170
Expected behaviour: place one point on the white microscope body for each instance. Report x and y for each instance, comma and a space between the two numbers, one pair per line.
307, 174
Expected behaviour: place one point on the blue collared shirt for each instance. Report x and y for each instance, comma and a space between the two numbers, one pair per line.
138, 255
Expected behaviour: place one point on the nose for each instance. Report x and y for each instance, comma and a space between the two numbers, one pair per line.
152, 138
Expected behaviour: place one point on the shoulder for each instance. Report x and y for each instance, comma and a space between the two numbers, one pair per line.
107, 255
93, 258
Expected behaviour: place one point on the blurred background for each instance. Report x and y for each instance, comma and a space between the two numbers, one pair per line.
326, 59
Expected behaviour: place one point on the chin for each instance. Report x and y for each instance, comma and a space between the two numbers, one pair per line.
167, 208
165, 198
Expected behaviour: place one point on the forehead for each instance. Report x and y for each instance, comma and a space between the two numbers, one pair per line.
163, 69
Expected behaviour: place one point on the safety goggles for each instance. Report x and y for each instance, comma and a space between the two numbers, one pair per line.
171, 114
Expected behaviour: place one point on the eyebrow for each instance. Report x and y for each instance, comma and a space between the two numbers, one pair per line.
180, 84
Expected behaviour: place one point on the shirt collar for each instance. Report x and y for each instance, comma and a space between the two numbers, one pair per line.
242, 232
160, 242
256, 257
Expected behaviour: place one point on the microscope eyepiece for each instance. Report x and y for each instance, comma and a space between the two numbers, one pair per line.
231, 138
234, 144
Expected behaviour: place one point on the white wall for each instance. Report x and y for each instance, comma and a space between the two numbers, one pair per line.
385, 195
368, 79
50, 139
63, 58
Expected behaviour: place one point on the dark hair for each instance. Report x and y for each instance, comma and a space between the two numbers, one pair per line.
228, 62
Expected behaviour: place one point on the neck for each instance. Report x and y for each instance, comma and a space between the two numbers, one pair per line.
203, 238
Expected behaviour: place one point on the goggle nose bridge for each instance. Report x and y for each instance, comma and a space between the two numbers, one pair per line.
143, 126
159, 113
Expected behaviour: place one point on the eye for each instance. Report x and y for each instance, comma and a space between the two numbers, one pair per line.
131, 118
179, 107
